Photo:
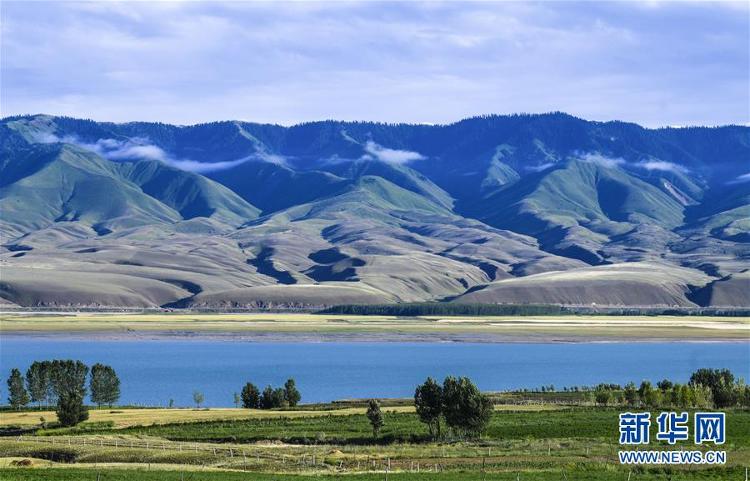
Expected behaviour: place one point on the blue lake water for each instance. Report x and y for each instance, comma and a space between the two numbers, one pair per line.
154, 371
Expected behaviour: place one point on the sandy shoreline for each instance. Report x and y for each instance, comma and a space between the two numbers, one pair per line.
302, 327
352, 337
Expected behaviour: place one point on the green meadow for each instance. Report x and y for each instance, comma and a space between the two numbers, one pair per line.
548, 443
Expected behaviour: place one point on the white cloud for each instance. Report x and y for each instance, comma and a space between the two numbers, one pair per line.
45, 137
132, 150
662, 165
140, 148
741, 179
432, 62
205, 167
540, 167
603, 160
391, 156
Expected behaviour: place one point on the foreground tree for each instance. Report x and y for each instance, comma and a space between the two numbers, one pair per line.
250, 396
71, 410
104, 385
17, 395
720, 382
375, 416
466, 410
291, 394
38, 381
68, 379
428, 401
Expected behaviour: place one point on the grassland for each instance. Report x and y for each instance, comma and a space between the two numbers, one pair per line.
122, 418
110, 474
271, 326
529, 443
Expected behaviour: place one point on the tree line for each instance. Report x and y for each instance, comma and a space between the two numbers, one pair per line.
271, 398
457, 403
62, 383
477, 309
445, 309
707, 388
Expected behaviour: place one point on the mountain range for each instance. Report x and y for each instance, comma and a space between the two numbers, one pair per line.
543, 208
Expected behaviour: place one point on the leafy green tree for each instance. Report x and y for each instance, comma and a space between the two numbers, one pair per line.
71, 410
38, 381
685, 396
250, 396
702, 396
673, 395
711, 377
266, 399
630, 393
236, 399
68, 379
428, 401
17, 395
720, 382
653, 398
649, 396
104, 385
278, 398
466, 410
375, 416
725, 394
291, 394
602, 396
743, 392
198, 398
664, 385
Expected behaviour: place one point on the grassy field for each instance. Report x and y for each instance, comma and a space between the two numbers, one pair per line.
143, 417
342, 428
542, 327
105, 474
533, 443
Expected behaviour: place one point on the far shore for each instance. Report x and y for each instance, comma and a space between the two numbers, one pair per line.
302, 327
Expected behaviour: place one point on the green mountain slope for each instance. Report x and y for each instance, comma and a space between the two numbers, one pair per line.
519, 208
71, 184
189, 194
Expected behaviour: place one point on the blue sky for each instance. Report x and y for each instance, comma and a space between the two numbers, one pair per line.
652, 62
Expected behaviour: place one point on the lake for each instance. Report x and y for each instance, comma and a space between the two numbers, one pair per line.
154, 371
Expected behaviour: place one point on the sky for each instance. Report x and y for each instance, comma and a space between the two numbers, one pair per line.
656, 63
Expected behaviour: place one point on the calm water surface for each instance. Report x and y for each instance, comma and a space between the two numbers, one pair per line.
152, 372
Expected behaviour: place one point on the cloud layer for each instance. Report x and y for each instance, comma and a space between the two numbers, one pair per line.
662, 165
140, 148
655, 63
391, 156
